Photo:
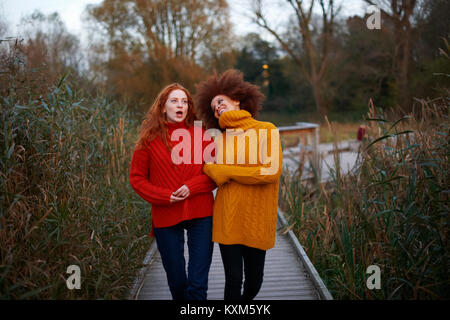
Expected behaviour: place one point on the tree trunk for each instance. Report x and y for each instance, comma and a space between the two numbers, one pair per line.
316, 77
316, 68
318, 97
401, 13
404, 69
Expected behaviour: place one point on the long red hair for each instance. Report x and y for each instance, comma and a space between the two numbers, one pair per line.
155, 123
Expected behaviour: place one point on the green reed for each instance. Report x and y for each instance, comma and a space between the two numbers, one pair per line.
391, 210
65, 197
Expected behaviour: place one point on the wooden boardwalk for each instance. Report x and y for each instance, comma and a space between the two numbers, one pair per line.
288, 274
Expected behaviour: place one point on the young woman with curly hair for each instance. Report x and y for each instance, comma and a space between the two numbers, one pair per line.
180, 193
245, 207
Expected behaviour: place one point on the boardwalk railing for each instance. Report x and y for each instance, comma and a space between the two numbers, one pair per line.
314, 275
308, 134
139, 281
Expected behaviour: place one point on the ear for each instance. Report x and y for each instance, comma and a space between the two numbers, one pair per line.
236, 103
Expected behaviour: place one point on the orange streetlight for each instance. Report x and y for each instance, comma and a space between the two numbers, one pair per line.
266, 74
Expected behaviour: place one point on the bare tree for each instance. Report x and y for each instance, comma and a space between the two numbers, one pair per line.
3, 27
164, 27
3, 22
47, 41
143, 44
315, 47
399, 13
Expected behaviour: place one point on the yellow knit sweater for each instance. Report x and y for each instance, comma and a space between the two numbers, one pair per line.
247, 174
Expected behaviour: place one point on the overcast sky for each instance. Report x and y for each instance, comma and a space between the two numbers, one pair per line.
71, 10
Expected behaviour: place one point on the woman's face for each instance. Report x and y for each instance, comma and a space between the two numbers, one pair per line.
222, 103
176, 106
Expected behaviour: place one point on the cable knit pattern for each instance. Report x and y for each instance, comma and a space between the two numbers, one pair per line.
155, 177
246, 203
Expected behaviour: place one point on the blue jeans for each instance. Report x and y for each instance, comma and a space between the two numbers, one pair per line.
170, 241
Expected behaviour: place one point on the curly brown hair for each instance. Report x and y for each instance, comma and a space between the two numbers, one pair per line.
231, 84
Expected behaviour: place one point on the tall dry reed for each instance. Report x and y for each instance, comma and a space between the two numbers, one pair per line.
65, 197
391, 210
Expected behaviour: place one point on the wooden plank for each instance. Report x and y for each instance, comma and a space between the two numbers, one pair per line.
285, 276
138, 282
320, 286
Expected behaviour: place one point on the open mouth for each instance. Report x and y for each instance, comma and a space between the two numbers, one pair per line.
221, 111
179, 113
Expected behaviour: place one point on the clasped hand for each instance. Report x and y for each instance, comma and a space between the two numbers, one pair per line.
181, 194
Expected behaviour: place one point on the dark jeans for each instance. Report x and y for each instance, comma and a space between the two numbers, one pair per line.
170, 243
233, 257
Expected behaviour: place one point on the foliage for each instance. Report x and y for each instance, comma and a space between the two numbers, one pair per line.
65, 197
251, 58
144, 45
391, 210
68, 128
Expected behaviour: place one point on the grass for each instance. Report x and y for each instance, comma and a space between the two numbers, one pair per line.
391, 212
65, 198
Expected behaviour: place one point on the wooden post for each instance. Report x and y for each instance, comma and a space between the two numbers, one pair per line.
309, 139
315, 150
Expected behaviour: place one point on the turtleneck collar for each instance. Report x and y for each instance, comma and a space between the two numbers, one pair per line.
236, 119
176, 125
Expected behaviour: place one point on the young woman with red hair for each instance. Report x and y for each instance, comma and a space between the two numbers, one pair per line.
180, 194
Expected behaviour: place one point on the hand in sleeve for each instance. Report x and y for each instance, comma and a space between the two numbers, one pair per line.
179, 195
216, 172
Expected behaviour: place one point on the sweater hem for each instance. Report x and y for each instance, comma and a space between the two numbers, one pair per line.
248, 243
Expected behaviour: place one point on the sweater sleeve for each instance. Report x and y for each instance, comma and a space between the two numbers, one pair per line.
139, 180
262, 174
202, 183
222, 173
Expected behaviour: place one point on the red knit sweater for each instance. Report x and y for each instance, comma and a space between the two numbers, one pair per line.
155, 177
